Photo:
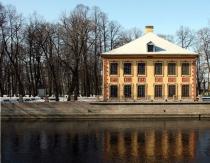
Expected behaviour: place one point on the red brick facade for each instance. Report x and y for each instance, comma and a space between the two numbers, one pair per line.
106, 82
194, 80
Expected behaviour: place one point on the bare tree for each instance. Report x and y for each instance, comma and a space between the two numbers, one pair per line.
204, 43
129, 35
104, 31
76, 29
167, 37
12, 39
114, 33
185, 37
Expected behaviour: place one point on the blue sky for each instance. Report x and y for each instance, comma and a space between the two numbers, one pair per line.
165, 15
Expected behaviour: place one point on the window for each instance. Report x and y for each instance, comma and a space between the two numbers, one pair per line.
127, 68
171, 68
185, 90
127, 90
113, 91
150, 47
141, 91
185, 68
158, 91
158, 69
171, 90
113, 68
141, 68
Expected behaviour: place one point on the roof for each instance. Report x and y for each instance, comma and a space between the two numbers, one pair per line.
139, 47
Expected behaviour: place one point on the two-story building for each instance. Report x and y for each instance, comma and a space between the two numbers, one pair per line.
151, 68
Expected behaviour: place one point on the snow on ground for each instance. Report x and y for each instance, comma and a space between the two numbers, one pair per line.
31, 99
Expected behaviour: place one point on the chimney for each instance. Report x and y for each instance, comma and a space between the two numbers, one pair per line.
148, 28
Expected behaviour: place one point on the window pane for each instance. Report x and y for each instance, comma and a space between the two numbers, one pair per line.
141, 68
150, 48
171, 90
141, 91
127, 90
158, 90
113, 91
185, 90
158, 68
127, 68
185, 69
113, 68
171, 68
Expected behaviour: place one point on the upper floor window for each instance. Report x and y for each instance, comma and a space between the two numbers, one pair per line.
113, 68
158, 69
141, 68
127, 68
171, 68
150, 47
185, 68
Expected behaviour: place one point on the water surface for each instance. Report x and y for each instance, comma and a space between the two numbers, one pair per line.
105, 141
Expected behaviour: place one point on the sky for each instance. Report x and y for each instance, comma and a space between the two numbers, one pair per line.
165, 15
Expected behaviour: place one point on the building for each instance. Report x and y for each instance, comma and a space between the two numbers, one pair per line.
150, 68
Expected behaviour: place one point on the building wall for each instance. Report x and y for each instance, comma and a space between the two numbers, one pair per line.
149, 79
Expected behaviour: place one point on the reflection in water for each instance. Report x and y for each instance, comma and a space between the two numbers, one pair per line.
192, 144
105, 141
164, 144
150, 143
121, 144
178, 144
134, 143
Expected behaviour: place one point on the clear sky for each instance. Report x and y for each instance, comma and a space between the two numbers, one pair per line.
165, 15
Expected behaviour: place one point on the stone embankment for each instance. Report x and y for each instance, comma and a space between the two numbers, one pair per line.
101, 110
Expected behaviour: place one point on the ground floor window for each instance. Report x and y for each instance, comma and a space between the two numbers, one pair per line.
185, 90
171, 90
141, 91
158, 90
127, 91
113, 91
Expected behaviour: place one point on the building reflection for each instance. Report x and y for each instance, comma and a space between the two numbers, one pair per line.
165, 144
150, 143
121, 144
192, 144
108, 144
178, 145
134, 143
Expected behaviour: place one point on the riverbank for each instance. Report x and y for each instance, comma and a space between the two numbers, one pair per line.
99, 110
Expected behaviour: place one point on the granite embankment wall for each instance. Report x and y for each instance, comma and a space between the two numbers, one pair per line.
84, 110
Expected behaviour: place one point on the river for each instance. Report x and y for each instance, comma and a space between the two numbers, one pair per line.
105, 141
